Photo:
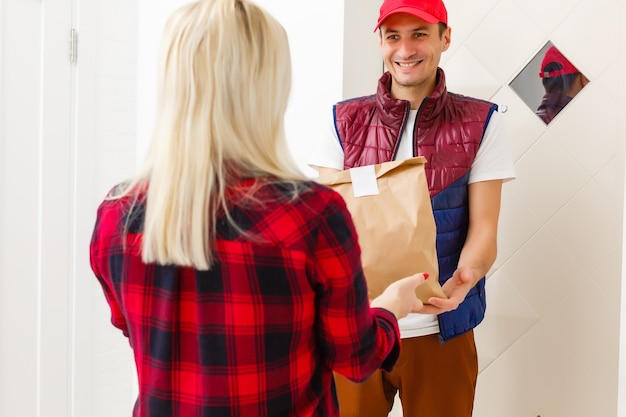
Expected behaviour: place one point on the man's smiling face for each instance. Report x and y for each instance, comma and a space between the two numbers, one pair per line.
411, 50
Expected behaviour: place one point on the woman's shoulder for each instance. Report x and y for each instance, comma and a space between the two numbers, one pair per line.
120, 205
310, 190
311, 199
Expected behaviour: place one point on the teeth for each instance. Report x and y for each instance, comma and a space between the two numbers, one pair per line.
407, 64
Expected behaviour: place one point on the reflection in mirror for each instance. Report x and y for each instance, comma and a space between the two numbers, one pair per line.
548, 83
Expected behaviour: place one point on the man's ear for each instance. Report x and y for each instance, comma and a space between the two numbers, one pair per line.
446, 36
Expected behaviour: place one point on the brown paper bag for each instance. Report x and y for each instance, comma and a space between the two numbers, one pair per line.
395, 223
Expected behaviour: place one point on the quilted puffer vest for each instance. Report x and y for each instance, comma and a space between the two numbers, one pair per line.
448, 132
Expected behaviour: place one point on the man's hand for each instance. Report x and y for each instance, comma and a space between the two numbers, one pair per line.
456, 288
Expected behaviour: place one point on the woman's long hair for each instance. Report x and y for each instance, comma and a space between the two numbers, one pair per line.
224, 83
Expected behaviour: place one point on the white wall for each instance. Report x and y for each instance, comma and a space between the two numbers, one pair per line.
362, 61
315, 34
108, 55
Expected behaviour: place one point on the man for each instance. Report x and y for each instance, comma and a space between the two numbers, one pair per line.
561, 80
468, 159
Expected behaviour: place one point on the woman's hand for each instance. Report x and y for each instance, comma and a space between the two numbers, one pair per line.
399, 297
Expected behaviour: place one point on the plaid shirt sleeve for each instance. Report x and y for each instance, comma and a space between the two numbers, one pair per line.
117, 315
261, 332
357, 340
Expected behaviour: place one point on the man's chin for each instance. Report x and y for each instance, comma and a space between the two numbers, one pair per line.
406, 81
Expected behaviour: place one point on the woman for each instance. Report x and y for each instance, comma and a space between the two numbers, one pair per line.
237, 281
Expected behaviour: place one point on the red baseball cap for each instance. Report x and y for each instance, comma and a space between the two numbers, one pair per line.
554, 55
432, 11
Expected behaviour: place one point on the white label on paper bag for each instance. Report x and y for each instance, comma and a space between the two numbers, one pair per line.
364, 181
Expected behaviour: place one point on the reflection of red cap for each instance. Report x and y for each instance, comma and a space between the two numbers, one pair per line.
554, 55
432, 11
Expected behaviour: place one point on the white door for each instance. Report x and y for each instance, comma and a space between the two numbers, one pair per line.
37, 145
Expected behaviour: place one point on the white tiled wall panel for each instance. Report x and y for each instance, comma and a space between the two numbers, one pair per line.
549, 344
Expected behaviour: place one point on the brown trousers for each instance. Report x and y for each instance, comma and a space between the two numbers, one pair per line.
433, 380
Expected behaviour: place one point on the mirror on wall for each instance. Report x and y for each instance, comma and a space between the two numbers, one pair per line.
548, 83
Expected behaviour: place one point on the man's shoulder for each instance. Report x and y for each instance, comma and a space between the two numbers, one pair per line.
360, 100
461, 99
355, 104
471, 107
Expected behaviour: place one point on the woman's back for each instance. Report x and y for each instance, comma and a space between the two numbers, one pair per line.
260, 332
239, 297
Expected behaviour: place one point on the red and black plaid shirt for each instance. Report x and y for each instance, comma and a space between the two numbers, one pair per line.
261, 332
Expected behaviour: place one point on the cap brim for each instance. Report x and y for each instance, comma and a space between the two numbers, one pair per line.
427, 17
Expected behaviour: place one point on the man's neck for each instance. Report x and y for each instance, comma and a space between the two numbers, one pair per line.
413, 94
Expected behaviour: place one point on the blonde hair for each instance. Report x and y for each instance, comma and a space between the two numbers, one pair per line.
224, 83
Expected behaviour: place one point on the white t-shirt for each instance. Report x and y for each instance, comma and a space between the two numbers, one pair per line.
493, 161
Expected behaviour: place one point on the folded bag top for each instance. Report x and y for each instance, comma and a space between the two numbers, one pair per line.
391, 210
